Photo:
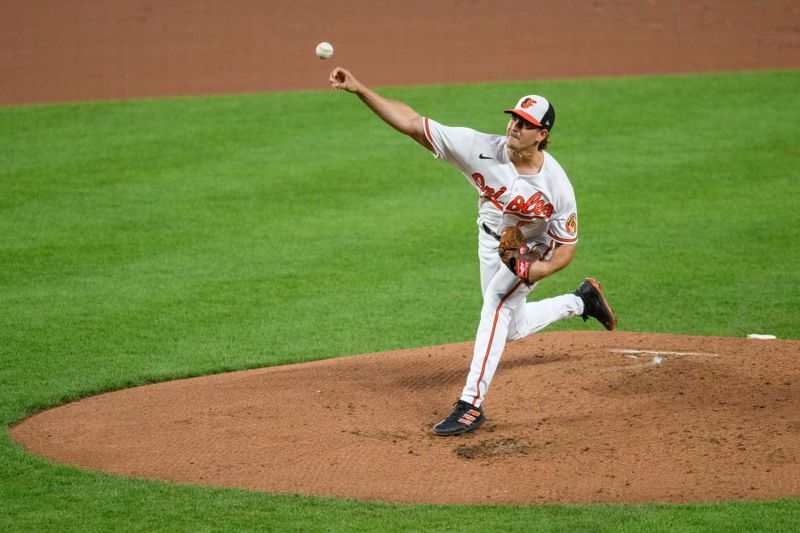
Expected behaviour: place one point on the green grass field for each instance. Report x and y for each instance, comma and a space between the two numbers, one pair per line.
147, 240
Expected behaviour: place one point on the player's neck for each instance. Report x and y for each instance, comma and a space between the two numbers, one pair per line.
528, 161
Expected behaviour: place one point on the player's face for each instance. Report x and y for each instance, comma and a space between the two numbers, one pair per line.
523, 135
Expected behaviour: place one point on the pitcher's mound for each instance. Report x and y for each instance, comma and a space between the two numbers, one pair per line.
573, 417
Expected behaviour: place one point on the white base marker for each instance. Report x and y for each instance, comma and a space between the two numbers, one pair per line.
761, 337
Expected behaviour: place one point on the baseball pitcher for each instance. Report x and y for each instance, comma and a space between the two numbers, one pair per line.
527, 229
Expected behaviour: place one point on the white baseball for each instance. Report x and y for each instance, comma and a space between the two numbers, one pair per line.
324, 50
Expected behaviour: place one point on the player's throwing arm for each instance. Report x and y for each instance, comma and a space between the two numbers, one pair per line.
396, 114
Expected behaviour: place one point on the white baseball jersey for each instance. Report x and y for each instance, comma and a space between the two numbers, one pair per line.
543, 206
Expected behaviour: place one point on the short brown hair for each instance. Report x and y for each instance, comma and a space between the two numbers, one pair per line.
546, 141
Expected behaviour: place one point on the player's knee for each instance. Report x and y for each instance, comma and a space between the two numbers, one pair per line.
513, 335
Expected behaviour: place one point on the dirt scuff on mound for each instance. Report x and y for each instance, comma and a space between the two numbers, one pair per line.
573, 417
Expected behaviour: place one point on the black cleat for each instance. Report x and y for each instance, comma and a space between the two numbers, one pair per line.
595, 304
465, 417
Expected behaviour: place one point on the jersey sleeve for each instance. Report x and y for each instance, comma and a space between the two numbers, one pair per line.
450, 144
564, 223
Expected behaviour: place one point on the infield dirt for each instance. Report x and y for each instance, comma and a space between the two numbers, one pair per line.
573, 416
55, 51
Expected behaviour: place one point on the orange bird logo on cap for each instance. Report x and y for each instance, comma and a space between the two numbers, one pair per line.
527, 103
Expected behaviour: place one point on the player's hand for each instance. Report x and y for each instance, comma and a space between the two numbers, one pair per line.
521, 259
342, 79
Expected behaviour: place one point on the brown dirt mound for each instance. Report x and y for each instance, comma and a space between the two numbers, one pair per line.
573, 417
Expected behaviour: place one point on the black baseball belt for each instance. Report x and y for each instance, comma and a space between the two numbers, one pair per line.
489, 231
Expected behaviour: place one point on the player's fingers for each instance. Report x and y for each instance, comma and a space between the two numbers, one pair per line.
338, 78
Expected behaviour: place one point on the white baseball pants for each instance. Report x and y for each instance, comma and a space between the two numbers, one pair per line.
506, 316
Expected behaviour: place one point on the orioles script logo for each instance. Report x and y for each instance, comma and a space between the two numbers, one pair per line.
534, 205
488, 192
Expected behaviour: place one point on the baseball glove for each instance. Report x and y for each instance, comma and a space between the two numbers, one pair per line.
514, 253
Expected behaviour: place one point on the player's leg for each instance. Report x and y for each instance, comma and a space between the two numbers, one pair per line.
587, 301
503, 294
530, 317
465, 415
